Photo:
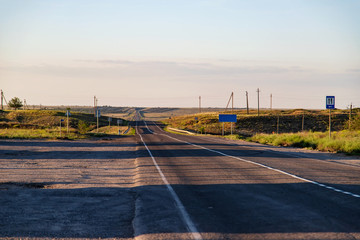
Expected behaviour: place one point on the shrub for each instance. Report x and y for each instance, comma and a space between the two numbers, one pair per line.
83, 127
355, 123
15, 103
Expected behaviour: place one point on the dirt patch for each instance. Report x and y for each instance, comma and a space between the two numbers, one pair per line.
67, 189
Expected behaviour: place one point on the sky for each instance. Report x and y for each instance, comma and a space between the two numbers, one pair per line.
167, 53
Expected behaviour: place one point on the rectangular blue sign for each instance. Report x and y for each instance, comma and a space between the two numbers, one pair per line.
227, 117
330, 102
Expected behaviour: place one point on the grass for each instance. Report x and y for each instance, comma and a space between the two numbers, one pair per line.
51, 133
111, 130
31, 124
343, 141
131, 131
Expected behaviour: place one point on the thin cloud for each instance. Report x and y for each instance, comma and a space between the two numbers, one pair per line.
199, 68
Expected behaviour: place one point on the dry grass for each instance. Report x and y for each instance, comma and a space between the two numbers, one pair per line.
112, 130
51, 133
45, 124
343, 141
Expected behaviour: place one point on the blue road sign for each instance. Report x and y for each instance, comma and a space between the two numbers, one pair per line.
68, 114
98, 114
330, 102
227, 117
61, 120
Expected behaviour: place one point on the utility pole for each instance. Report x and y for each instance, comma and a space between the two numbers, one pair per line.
258, 91
350, 116
247, 103
270, 101
232, 104
232, 108
2, 100
303, 121
199, 104
95, 105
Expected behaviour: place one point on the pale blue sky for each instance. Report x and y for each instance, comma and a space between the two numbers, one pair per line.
167, 53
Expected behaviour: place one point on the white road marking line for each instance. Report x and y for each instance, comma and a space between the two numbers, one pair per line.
149, 128
186, 218
270, 168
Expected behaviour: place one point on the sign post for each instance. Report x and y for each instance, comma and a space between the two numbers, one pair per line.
330, 104
68, 114
119, 121
61, 120
110, 121
227, 118
98, 114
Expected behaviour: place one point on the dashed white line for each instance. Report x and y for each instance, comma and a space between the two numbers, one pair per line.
268, 167
185, 216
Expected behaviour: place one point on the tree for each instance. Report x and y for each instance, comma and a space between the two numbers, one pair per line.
15, 103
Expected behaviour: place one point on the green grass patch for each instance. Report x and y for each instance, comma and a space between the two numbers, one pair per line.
52, 133
111, 130
343, 141
29, 124
131, 131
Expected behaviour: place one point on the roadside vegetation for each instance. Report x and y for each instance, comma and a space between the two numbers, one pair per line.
276, 121
343, 141
293, 128
28, 124
112, 130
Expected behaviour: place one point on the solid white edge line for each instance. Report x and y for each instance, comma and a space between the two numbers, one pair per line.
186, 218
270, 168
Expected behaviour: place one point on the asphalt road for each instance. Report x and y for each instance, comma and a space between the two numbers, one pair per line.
211, 188
158, 185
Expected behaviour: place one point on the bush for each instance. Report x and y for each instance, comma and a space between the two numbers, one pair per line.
355, 123
83, 127
15, 103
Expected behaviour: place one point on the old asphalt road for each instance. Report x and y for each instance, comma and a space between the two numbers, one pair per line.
209, 188
158, 185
